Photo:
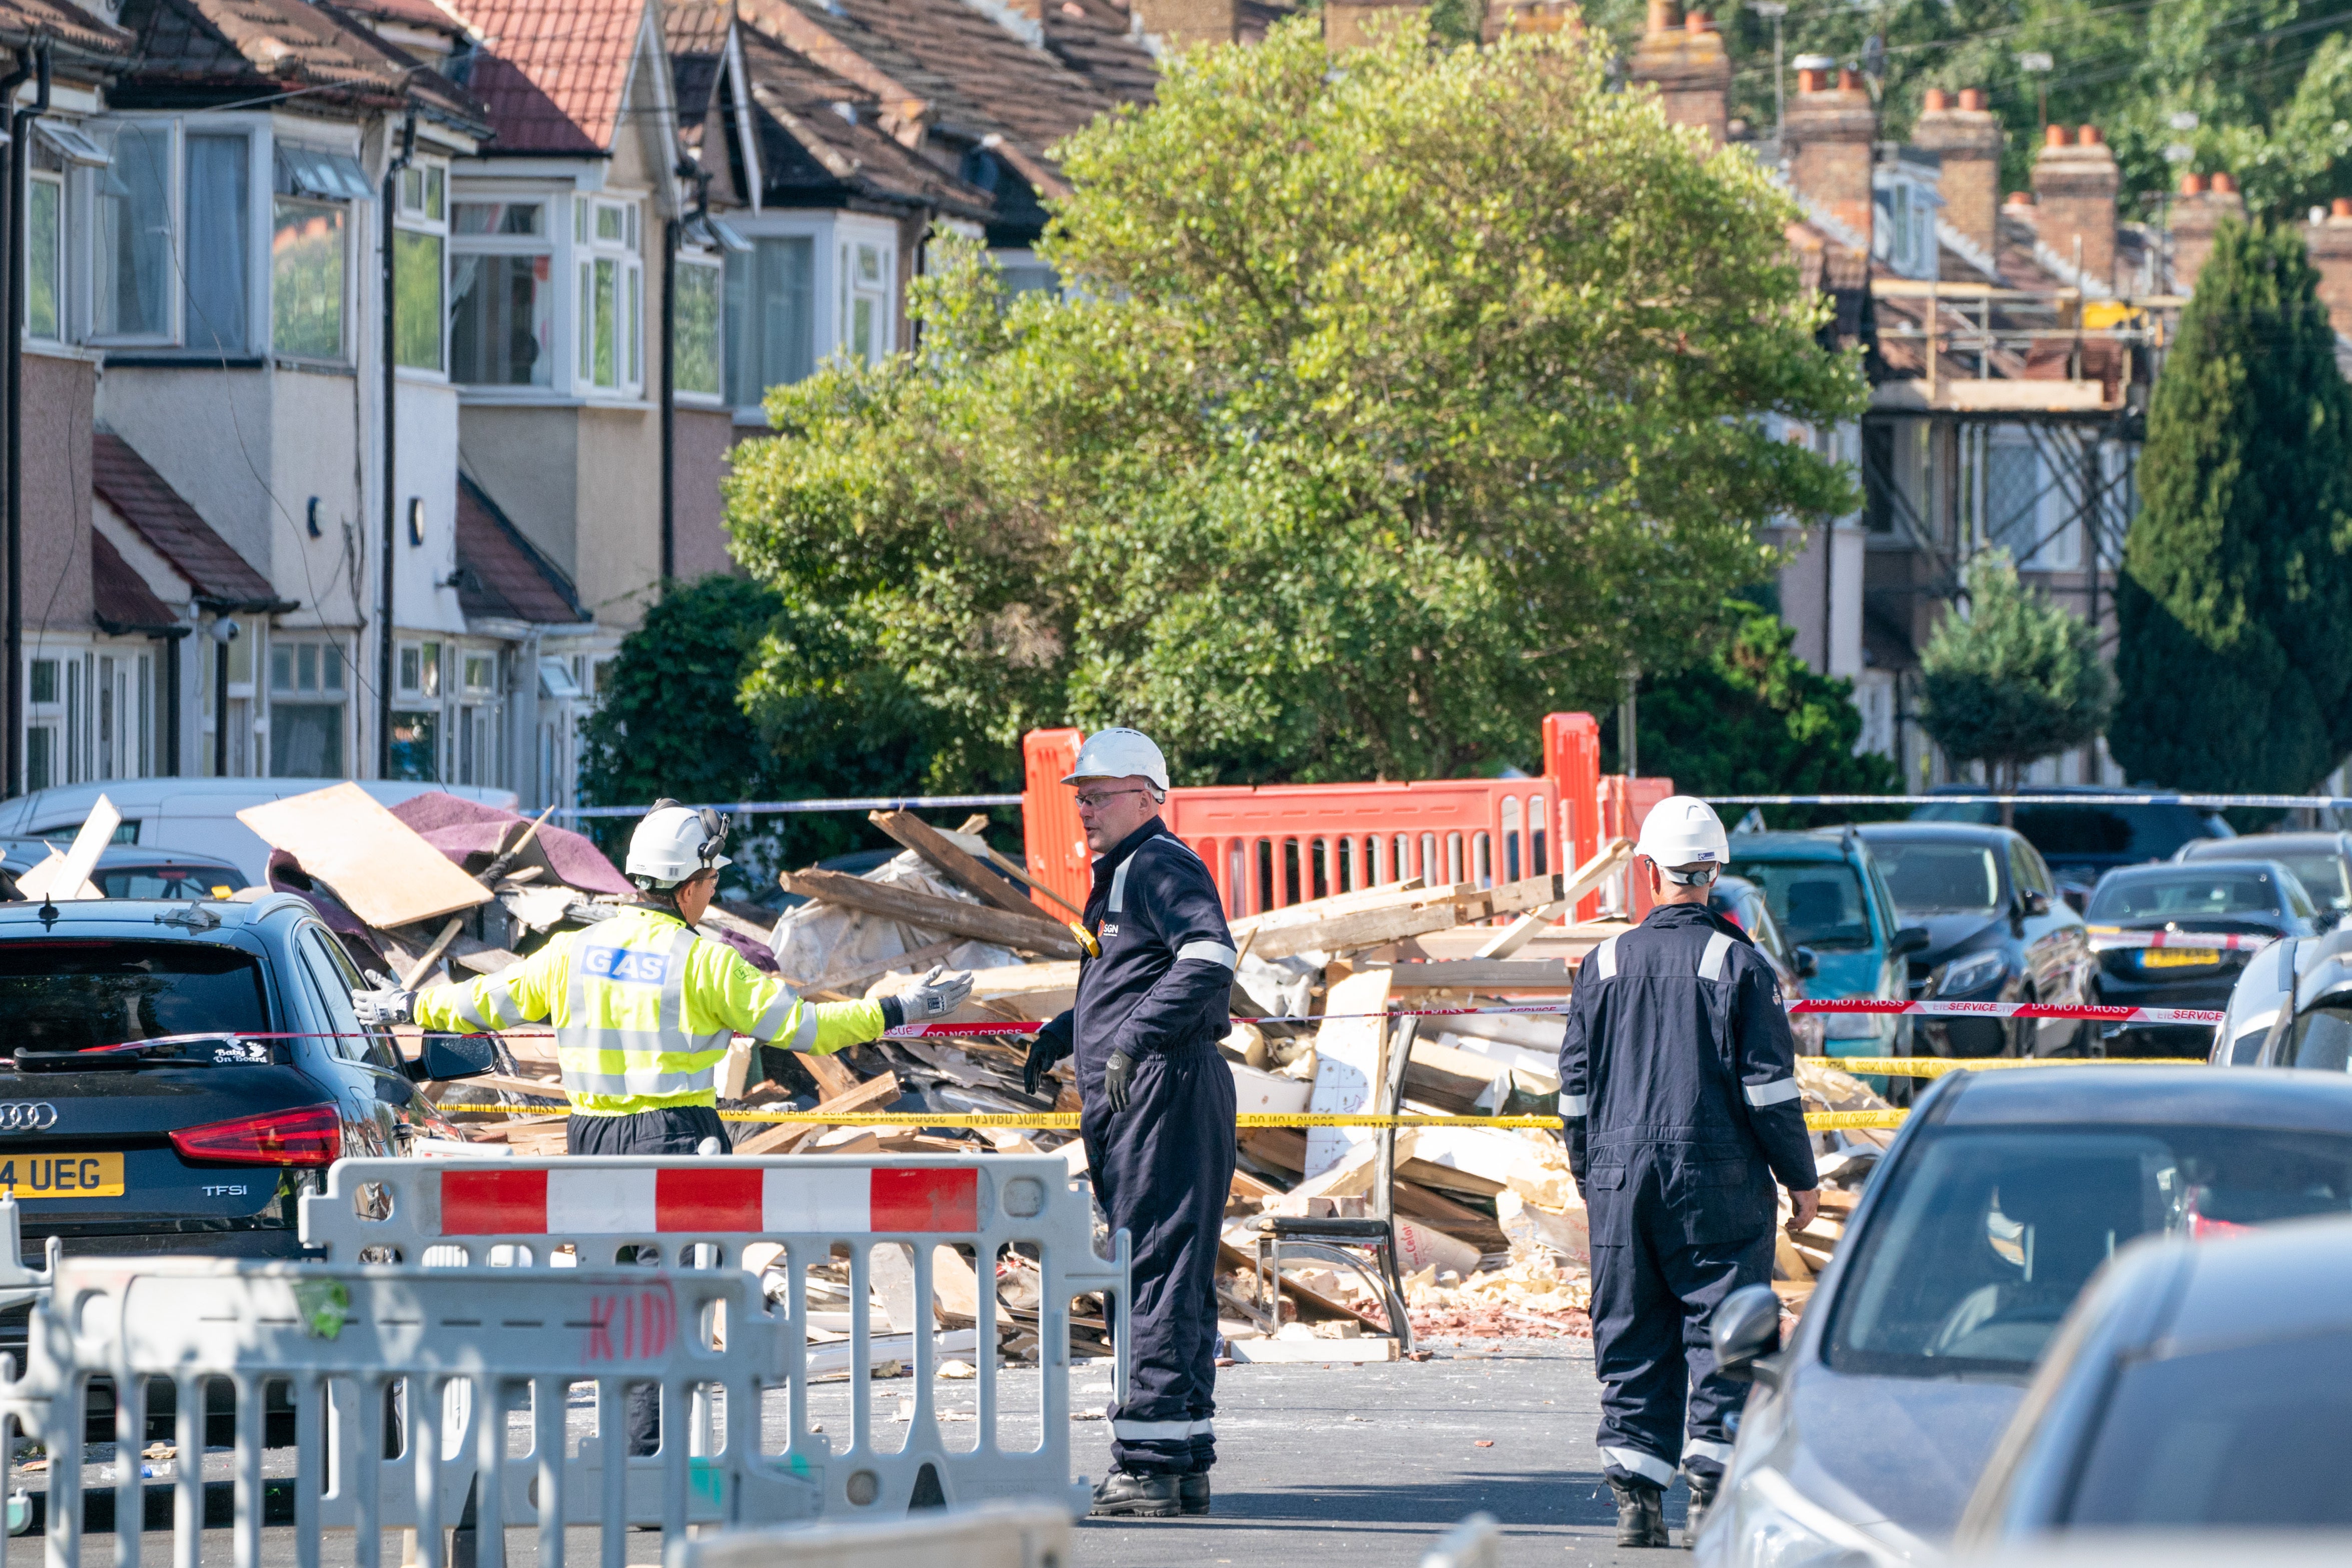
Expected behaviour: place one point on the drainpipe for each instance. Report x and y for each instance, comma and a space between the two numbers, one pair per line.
12, 753
391, 169
673, 233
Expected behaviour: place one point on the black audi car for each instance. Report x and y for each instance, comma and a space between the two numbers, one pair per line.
2245, 898
1997, 932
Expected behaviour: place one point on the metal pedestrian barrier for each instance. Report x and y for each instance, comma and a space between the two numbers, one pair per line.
525, 1213
363, 1357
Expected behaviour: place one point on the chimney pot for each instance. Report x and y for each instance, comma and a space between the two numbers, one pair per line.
2088, 136
1972, 99
1847, 80
2053, 136
2020, 198
1809, 80
2340, 207
1664, 16
2192, 185
1697, 22
2225, 184
1938, 101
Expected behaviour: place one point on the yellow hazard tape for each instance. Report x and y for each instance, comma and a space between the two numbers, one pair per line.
1936, 1067
1819, 1120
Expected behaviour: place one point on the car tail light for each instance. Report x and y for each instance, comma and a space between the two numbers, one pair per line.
306, 1135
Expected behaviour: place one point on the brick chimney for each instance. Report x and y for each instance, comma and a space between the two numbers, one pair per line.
1683, 56
2330, 244
1968, 137
2203, 202
2074, 183
1827, 141
1180, 23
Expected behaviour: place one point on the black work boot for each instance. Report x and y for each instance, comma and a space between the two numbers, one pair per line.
1640, 1513
1702, 1497
1125, 1495
1194, 1489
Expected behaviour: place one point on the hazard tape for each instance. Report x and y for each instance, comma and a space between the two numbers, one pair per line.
2011, 1010
1068, 1120
1936, 1067
2220, 942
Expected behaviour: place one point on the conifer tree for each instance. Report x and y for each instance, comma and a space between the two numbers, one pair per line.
2236, 601
2014, 680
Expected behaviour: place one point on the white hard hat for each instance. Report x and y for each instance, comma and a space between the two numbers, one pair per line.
674, 842
1121, 755
1683, 830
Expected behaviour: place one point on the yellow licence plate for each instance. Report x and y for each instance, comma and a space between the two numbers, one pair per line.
62, 1175
2179, 957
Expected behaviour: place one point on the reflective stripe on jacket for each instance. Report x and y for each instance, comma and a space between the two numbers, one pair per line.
644, 1011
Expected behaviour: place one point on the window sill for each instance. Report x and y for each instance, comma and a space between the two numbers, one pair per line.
180, 358
535, 397
51, 348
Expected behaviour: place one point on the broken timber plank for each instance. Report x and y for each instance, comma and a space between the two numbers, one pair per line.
927, 911
1480, 974
1586, 877
379, 866
1439, 910
784, 1137
842, 980
951, 862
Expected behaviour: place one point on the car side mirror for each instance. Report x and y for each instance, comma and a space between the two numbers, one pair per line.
2033, 903
1746, 1331
1808, 963
1910, 940
441, 1059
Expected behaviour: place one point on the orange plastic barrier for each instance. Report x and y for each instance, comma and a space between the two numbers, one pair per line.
1278, 845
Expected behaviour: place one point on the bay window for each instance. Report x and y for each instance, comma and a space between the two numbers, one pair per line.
134, 270
219, 170
612, 294
771, 311
45, 204
310, 247
501, 294
419, 240
866, 301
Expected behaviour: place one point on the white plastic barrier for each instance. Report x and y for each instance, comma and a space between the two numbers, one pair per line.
341, 1336
1474, 1542
520, 1212
995, 1535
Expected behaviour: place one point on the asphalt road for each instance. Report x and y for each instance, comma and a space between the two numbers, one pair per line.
1366, 1466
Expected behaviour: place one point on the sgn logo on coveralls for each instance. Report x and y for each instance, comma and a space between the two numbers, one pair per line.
628, 966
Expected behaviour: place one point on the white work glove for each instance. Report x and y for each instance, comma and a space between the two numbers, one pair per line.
387, 1003
935, 995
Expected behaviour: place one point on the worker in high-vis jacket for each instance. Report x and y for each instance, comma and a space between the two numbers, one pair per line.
1678, 1091
1156, 1097
644, 1009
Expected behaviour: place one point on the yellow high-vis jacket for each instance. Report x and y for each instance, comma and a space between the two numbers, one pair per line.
644, 1011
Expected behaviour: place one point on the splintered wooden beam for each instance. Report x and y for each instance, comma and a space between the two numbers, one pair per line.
1532, 924
928, 912
965, 871
784, 1137
1413, 914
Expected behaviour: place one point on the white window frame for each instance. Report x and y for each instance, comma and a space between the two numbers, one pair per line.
626, 253
62, 182
553, 242
414, 217
878, 288
709, 261
832, 236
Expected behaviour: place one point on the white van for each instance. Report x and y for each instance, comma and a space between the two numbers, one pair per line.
198, 815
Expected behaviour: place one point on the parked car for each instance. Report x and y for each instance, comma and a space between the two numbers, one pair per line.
135, 871
196, 816
1824, 890
1742, 902
202, 1140
2000, 1198
2260, 1029
2322, 862
2245, 898
2083, 843
2194, 1387
1997, 932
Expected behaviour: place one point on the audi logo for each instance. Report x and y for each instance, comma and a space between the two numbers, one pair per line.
26, 1116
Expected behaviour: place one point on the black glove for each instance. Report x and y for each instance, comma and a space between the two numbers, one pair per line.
1055, 1042
1116, 1074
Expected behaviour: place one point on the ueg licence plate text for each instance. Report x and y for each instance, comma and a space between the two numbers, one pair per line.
62, 1175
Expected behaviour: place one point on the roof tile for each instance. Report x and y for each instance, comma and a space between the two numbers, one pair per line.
501, 575
119, 601
552, 72
220, 576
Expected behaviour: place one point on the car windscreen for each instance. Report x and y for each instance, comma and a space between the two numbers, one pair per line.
1940, 878
70, 995
2251, 1436
1972, 1256
173, 882
2323, 877
2066, 832
1818, 902
2185, 894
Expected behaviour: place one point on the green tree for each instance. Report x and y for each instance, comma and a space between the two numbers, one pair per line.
2013, 680
1395, 404
1753, 718
2236, 589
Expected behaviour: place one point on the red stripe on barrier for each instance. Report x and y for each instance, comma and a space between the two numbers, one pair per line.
494, 1202
924, 1200
717, 1200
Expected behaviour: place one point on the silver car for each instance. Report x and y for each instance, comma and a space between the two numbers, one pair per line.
2003, 1195
2195, 1388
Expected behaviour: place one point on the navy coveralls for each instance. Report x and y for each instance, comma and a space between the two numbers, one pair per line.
1677, 1087
1162, 1168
